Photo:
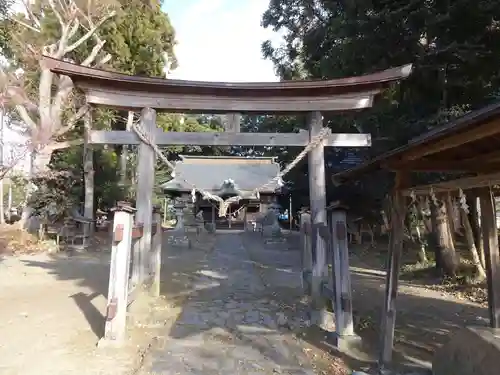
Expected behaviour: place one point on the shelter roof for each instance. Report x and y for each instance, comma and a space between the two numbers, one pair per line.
470, 143
224, 175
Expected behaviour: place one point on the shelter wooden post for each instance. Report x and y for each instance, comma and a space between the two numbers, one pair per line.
245, 219
144, 200
213, 216
491, 254
317, 191
88, 170
307, 256
392, 271
342, 274
116, 311
155, 254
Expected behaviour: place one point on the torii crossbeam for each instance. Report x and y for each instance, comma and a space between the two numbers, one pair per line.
148, 95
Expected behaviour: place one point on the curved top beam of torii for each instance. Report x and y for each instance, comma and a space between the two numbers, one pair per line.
118, 90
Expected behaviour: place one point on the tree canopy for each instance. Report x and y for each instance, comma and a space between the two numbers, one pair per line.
455, 66
133, 37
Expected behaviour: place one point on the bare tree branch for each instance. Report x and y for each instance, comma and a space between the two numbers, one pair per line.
57, 14
28, 26
104, 60
74, 29
93, 54
89, 33
72, 121
64, 89
63, 144
23, 113
45, 96
43, 121
31, 15
65, 29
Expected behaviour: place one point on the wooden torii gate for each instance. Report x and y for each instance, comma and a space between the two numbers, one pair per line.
148, 95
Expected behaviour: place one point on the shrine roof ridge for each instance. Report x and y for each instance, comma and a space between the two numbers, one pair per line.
93, 76
227, 161
210, 176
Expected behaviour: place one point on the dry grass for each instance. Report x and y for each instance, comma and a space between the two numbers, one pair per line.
465, 286
14, 241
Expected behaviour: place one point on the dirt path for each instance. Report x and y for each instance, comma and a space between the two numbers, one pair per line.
52, 308
233, 321
51, 317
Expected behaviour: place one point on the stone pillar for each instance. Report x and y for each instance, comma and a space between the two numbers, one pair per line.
179, 214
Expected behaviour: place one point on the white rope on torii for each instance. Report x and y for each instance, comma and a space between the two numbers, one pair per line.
224, 204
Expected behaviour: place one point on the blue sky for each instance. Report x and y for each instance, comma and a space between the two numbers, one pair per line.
219, 40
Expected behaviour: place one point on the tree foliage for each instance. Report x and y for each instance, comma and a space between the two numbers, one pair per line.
5, 6
455, 67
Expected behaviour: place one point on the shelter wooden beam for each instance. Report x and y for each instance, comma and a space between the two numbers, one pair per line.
101, 137
465, 183
445, 165
486, 130
489, 157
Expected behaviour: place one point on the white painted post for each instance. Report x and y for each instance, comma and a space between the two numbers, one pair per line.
317, 193
155, 260
116, 312
343, 292
144, 200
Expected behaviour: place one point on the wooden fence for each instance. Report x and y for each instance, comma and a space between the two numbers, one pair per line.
129, 255
328, 286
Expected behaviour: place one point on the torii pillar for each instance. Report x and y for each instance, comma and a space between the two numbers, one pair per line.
317, 197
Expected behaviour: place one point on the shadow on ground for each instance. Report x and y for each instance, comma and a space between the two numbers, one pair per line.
424, 319
198, 276
89, 271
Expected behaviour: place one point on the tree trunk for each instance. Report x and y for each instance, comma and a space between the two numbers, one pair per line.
446, 261
476, 227
2, 213
451, 217
423, 211
469, 236
39, 164
422, 253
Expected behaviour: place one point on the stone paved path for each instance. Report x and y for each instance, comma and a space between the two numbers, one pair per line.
232, 325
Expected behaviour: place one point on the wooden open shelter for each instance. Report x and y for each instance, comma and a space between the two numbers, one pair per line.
469, 145
149, 95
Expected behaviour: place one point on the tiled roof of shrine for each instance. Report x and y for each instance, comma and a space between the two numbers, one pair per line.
223, 174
